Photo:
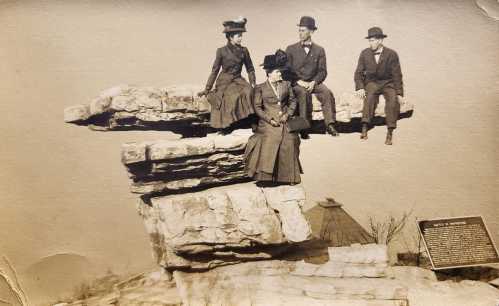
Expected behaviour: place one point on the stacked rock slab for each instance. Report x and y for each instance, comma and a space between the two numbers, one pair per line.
126, 107
178, 109
224, 225
165, 167
197, 209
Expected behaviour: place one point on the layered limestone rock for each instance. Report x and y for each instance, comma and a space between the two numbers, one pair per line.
224, 225
178, 109
196, 223
369, 260
168, 166
273, 283
414, 286
125, 107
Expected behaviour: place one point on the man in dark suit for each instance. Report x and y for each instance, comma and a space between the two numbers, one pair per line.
307, 64
378, 72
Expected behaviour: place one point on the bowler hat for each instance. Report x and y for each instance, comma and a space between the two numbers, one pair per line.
375, 32
307, 21
236, 25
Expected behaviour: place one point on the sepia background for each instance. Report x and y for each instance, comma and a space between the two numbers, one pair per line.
66, 212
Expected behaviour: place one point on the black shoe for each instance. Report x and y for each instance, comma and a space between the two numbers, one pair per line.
225, 131
331, 130
363, 134
304, 135
389, 136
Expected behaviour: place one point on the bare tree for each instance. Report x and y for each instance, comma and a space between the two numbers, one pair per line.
384, 232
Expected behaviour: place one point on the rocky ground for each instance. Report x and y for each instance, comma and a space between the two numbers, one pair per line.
288, 283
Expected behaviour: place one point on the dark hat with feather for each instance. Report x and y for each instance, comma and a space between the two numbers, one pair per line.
278, 60
236, 25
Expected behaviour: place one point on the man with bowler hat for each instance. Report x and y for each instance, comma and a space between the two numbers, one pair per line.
378, 73
307, 64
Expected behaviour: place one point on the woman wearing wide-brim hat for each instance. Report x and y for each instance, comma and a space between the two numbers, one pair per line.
231, 100
272, 152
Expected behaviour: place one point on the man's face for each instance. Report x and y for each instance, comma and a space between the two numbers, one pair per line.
275, 75
374, 43
305, 33
237, 38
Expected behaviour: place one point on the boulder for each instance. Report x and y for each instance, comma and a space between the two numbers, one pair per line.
224, 225
169, 166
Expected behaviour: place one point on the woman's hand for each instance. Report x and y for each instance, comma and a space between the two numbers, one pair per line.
361, 93
203, 93
284, 118
274, 123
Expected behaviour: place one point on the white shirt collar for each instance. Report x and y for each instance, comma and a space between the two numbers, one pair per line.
275, 89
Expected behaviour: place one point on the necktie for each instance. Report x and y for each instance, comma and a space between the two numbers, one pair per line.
306, 47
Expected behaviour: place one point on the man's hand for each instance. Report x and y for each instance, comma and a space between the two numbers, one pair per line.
361, 93
400, 98
284, 118
274, 123
203, 93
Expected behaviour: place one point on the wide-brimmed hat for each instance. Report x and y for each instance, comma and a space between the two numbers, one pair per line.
375, 32
307, 21
275, 61
236, 25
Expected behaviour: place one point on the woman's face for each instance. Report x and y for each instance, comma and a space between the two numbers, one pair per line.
275, 75
236, 39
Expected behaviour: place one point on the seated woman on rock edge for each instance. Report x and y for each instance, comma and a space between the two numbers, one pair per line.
231, 100
272, 152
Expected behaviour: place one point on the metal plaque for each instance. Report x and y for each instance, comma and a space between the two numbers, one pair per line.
457, 242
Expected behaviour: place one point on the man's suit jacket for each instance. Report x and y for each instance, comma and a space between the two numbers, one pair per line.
307, 67
386, 71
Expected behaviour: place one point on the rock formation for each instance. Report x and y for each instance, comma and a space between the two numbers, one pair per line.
224, 225
294, 283
125, 107
196, 209
179, 110
217, 232
172, 166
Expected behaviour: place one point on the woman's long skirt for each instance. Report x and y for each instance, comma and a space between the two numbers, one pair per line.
230, 103
273, 156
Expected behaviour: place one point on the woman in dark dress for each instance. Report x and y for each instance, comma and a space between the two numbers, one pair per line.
272, 152
231, 100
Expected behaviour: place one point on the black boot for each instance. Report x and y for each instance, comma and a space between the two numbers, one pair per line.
331, 130
304, 135
226, 130
363, 134
389, 136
